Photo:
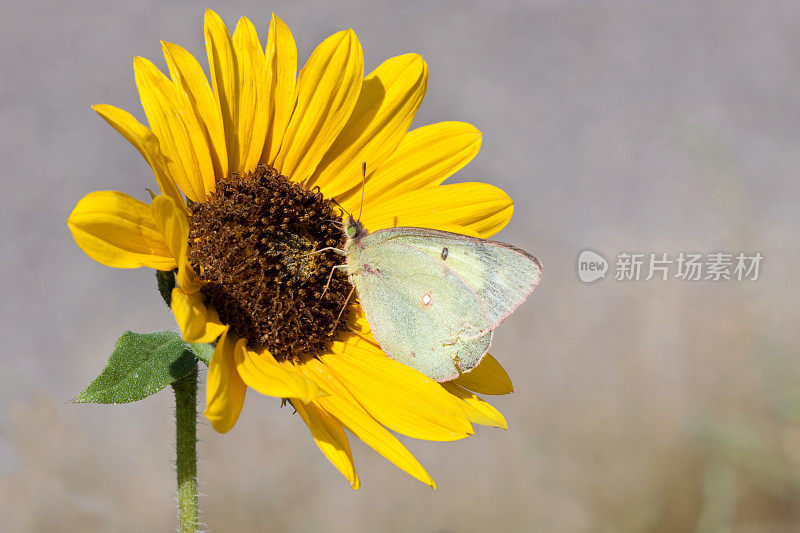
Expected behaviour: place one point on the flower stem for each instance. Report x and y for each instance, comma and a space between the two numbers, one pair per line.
186, 440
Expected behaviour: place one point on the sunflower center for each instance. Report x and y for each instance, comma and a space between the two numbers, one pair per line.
252, 243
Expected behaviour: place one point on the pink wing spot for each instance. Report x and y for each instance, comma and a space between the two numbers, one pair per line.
367, 269
427, 300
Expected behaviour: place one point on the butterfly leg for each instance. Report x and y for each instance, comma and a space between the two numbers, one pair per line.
337, 250
344, 306
330, 277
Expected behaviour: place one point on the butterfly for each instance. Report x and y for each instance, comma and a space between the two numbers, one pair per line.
433, 298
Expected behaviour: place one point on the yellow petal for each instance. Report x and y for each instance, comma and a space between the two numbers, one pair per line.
389, 99
119, 231
145, 142
187, 74
344, 407
198, 322
281, 63
223, 65
329, 435
262, 372
252, 97
486, 378
357, 323
398, 396
478, 411
425, 157
174, 226
179, 132
469, 231
484, 208
327, 91
225, 390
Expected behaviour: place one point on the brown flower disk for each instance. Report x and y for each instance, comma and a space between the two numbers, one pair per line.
250, 243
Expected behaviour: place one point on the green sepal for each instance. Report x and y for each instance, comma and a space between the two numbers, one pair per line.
141, 365
203, 351
166, 282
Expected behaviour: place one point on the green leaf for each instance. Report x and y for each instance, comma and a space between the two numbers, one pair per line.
140, 365
203, 351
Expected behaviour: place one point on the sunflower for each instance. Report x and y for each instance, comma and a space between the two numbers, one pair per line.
254, 171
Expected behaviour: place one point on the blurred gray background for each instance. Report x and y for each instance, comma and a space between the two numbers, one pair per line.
617, 126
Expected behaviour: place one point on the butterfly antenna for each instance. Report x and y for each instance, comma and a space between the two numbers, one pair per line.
363, 186
340, 207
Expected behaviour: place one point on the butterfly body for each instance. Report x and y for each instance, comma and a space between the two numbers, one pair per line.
433, 298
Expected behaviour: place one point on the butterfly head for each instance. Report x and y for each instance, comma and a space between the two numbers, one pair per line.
354, 230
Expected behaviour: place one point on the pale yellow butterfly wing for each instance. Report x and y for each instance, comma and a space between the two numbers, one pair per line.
433, 298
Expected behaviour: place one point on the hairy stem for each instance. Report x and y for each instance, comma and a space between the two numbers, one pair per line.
186, 440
